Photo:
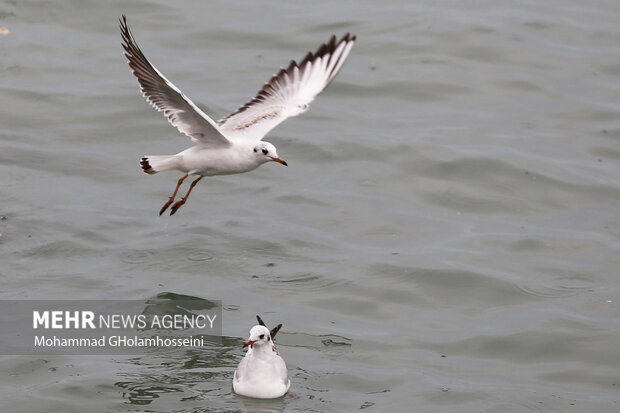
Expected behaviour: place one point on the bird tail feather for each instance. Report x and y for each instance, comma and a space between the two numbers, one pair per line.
151, 164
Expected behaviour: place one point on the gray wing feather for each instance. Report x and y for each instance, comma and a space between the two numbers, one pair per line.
289, 92
164, 96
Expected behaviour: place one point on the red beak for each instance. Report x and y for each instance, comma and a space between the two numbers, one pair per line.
249, 343
280, 160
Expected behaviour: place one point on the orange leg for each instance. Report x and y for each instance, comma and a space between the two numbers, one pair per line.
178, 204
174, 194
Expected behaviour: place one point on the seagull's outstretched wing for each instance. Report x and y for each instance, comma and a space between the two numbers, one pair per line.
164, 96
289, 92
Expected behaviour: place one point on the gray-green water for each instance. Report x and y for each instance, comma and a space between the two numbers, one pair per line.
446, 237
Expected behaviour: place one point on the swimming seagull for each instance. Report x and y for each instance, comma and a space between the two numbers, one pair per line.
233, 144
262, 373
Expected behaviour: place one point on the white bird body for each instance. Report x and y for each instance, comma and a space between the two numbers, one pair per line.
233, 144
262, 373
206, 161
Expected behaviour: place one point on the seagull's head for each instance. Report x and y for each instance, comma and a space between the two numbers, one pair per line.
259, 336
266, 152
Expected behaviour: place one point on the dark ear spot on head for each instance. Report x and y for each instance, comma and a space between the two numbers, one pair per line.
268, 338
254, 150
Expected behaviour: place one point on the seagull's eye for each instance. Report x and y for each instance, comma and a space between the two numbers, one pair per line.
265, 151
262, 336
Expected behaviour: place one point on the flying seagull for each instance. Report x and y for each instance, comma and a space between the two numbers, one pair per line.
233, 144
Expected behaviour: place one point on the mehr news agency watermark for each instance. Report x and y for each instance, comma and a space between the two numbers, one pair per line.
86, 319
108, 326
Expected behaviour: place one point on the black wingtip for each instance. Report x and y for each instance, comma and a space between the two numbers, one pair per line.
123, 22
125, 33
275, 330
348, 37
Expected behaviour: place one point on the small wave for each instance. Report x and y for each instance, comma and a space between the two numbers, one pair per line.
137, 256
559, 287
199, 255
304, 282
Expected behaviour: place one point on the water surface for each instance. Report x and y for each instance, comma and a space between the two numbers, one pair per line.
446, 237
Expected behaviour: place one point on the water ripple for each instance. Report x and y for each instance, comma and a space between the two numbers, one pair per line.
559, 287
137, 256
304, 282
